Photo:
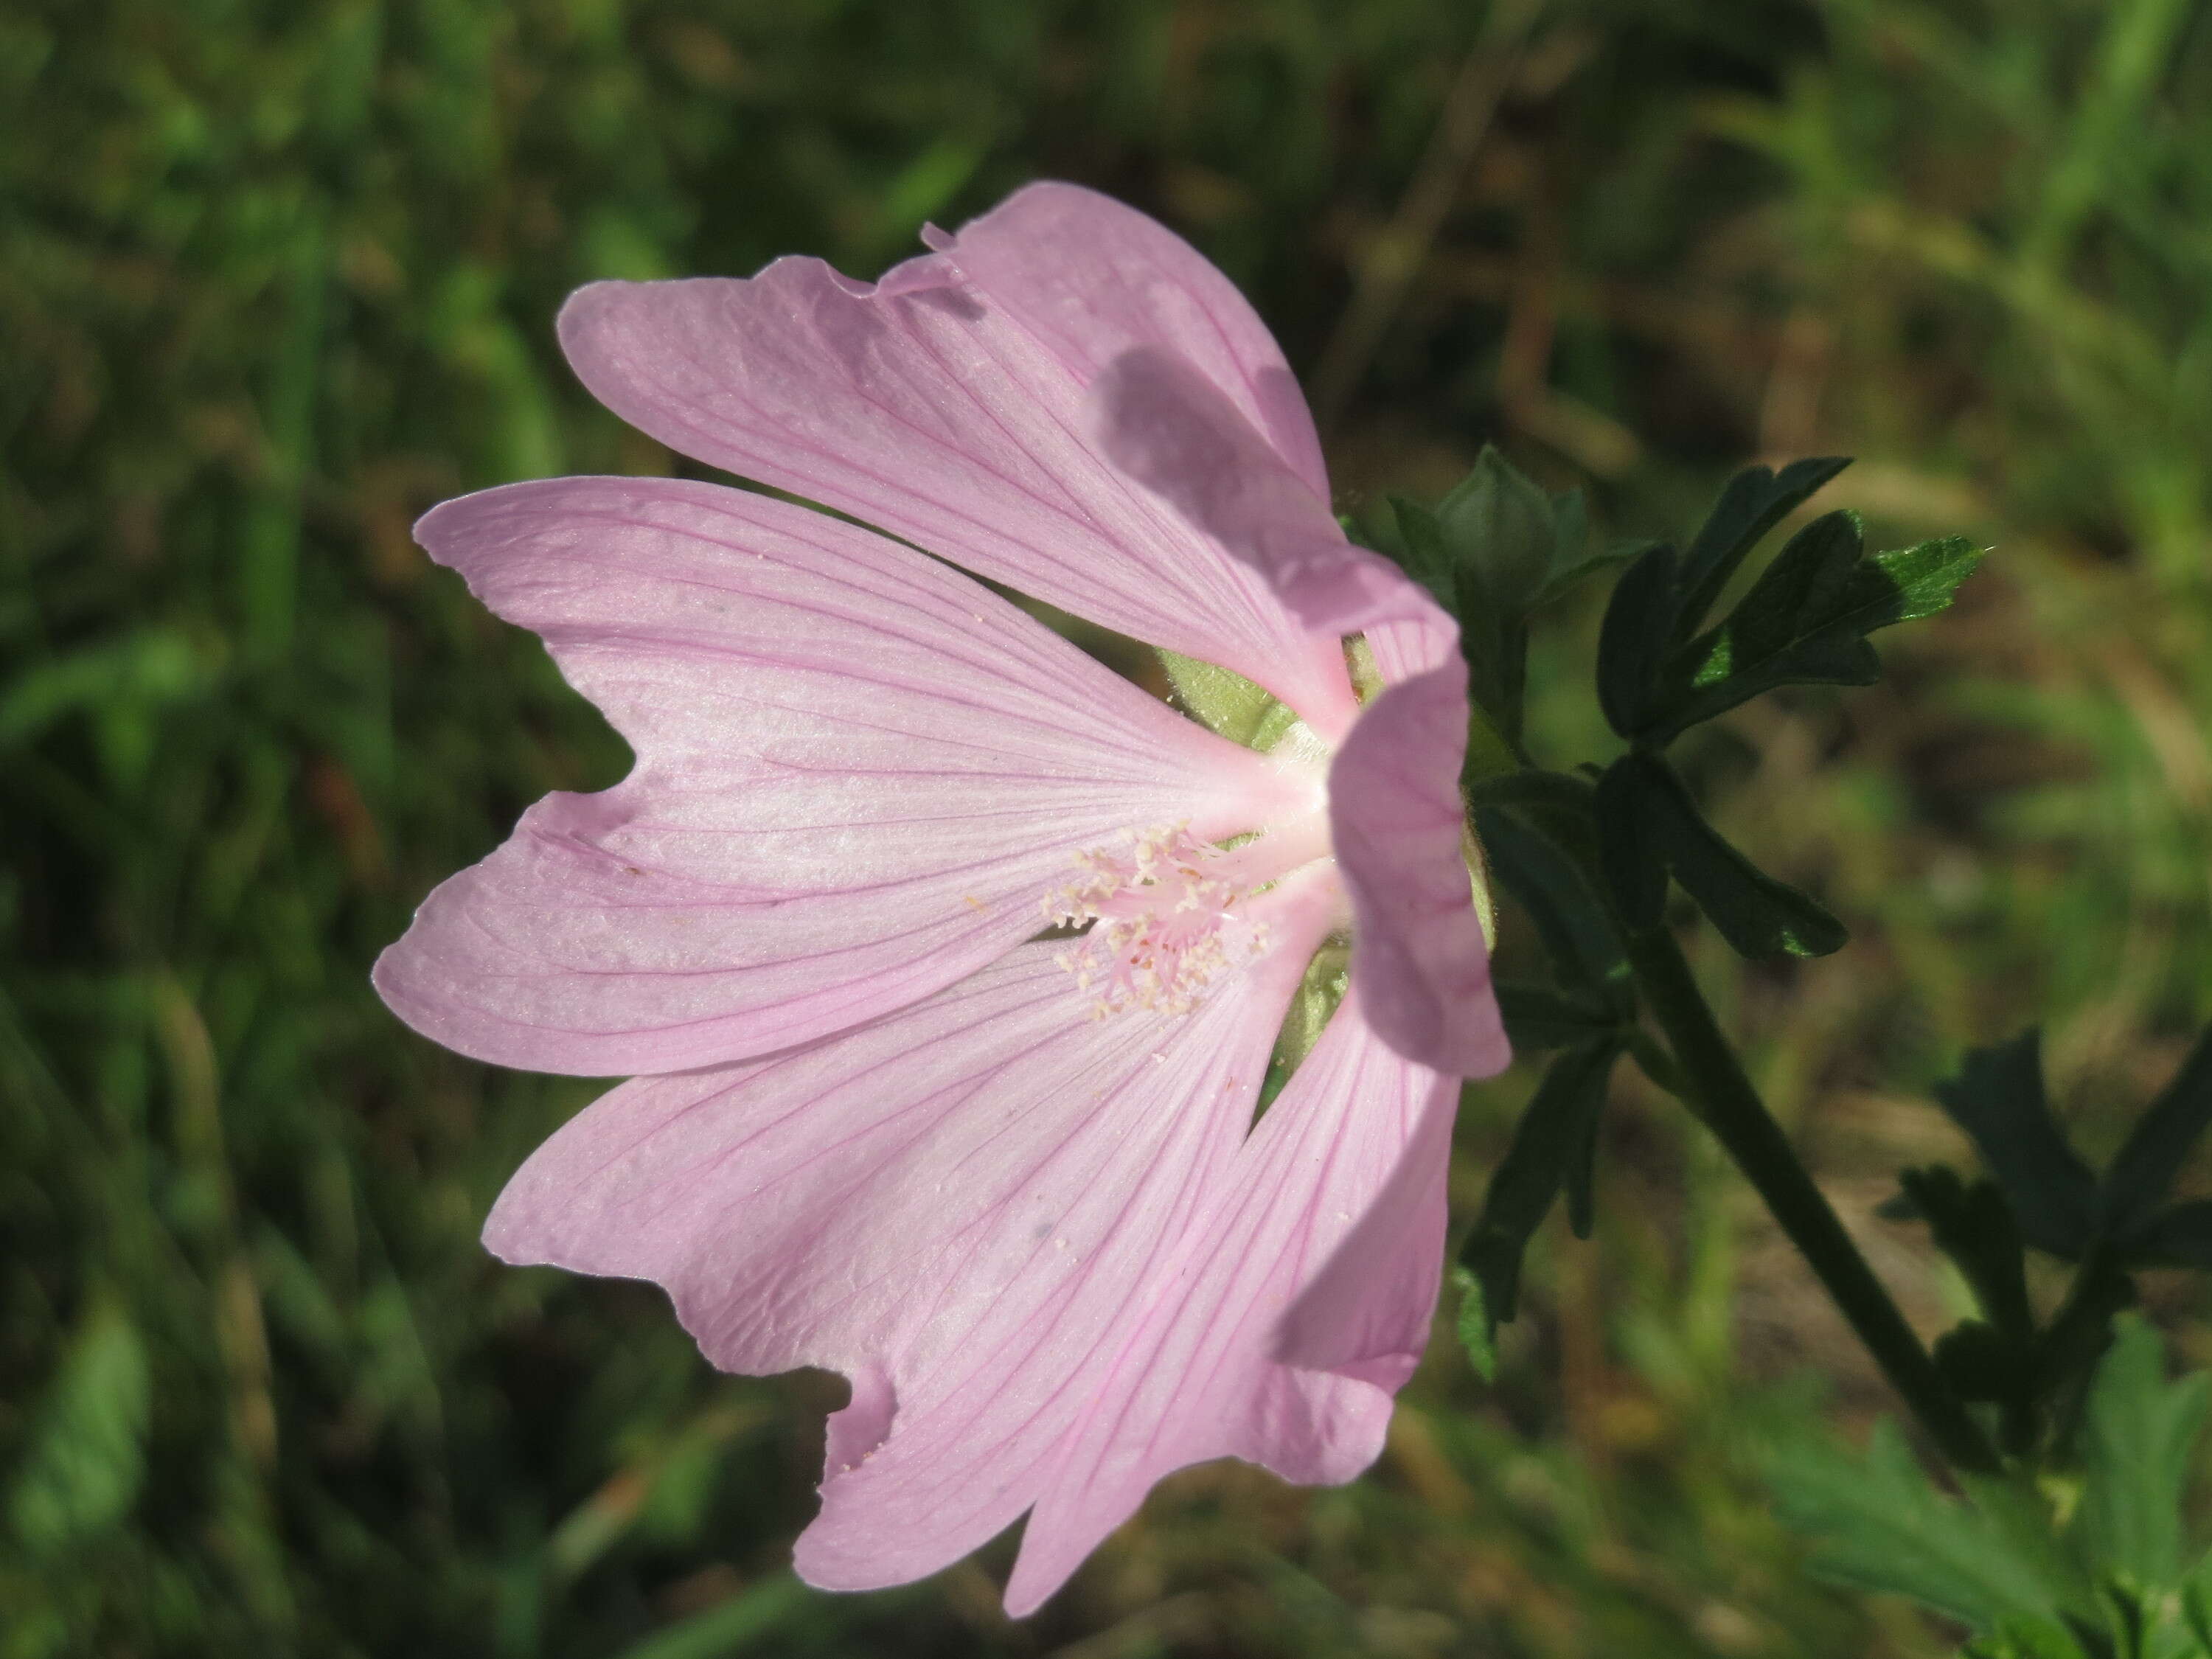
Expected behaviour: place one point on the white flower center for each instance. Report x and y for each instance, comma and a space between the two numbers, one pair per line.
1165, 911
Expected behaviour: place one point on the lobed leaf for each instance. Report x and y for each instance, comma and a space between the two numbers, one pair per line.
1633, 640
2138, 1434
1650, 824
2144, 1170
1882, 1527
1554, 1136
1538, 1017
1972, 1224
1805, 622
1570, 918
1753, 503
1998, 1099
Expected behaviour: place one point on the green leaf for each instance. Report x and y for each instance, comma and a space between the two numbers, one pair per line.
1978, 1362
87, 1459
2197, 1603
146, 669
1571, 919
1973, 1224
2178, 1237
1553, 1133
1631, 856
1805, 622
761, 1617
1996, 1358
1651, 824
1478, 1332
2138, 1435
2029, 1639
1882, 1527
1754, 501
1634, 638
1998, 1099
1538, 1017
2142, 1172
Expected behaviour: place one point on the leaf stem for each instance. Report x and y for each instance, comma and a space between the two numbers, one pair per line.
1723, 1098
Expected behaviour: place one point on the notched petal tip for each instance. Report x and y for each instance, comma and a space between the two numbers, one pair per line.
863, 1423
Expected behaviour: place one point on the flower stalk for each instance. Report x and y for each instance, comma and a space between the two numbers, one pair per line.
1712, 1083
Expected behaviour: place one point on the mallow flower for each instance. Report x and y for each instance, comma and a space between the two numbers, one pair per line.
946, 964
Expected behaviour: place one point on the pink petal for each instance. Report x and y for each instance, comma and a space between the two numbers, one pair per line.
1298, 1307
964, 1207
1093, 278
859, 773
1175, 432
1395, 810
1420, 960
945, 405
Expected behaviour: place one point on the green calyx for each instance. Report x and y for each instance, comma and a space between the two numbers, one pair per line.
1326, 978
1227, 703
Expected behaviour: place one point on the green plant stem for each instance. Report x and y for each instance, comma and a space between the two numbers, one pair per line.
1725, 1098
2076, 1337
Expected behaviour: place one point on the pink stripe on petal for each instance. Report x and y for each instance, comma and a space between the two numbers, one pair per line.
1298, 1307
1418, 958
964, 1206
945, 405
859, 773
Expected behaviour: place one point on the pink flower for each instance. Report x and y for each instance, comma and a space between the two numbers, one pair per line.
1011, 1187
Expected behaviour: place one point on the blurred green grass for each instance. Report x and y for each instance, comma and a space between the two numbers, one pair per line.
274, 277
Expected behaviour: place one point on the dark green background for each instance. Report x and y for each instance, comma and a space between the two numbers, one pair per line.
275, 278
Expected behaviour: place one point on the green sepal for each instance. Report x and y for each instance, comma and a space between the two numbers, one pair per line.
1550, 1150
1573, 575
1649, 824
1497, 525
1478, 1334
1227, 703
1321, 988
1998, 1099
1490, 552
